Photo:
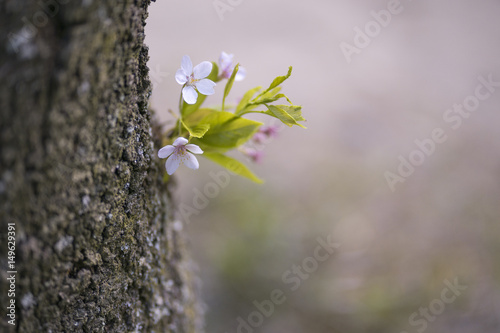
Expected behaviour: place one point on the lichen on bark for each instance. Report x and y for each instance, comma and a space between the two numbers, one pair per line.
97, 246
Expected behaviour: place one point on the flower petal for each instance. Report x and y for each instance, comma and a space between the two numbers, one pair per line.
189, 94
254, 154
205, 86
242, 73
181, 76
225, 58
166, 151
187, 65
180, 141
190, 161
225, 61
259, 137
172, 163
202, 70
194, 149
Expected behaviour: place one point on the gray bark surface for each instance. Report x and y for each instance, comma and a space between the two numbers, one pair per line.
97, 248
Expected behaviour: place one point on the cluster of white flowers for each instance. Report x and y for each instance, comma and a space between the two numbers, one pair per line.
194, 81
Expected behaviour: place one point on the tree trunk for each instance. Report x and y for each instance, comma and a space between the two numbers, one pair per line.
97, 248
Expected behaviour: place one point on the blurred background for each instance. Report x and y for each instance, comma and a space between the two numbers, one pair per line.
419, 255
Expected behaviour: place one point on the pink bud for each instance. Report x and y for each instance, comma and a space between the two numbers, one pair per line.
254, 154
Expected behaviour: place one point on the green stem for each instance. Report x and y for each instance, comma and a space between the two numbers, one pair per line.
180, 112
245, 112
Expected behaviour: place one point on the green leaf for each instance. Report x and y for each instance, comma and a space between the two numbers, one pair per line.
288, 114
279, 80
229, 84
196, 131
271, 94
233, 165
269, 97
294, 111
227, 131
197, 116
187, 109
265, 97
242, 105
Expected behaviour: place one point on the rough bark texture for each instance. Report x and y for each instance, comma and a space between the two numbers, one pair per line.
97, 247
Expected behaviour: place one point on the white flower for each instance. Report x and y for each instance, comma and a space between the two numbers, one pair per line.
226, 66
194, 79
180, 152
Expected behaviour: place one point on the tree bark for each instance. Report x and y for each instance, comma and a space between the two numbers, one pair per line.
97, 246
